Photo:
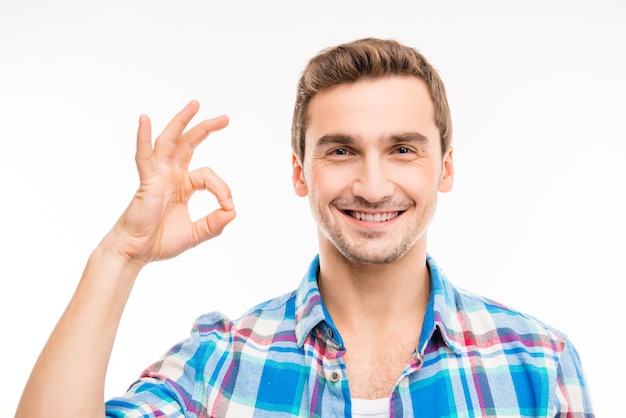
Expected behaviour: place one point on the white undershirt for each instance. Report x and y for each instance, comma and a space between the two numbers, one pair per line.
370, 408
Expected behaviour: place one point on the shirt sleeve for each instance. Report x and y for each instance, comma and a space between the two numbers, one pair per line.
163, 388
572, 397
146, 398
173, 386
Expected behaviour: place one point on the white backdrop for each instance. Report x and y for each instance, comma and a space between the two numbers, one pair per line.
536, 219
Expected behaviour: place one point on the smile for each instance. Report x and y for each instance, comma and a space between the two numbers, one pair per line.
373, 217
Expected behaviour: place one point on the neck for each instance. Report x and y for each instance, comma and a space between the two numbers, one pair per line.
368, 296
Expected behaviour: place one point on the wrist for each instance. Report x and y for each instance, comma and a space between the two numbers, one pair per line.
114, 254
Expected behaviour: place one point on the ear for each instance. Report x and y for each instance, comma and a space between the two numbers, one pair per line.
297, 176
446, 180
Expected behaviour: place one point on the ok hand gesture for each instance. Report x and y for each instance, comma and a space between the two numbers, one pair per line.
156, 225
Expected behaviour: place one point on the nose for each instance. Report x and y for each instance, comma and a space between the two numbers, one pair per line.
372, 181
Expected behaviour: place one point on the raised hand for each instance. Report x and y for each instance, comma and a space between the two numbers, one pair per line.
156, 225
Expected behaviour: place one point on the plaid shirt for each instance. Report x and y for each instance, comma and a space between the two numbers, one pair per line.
475, 358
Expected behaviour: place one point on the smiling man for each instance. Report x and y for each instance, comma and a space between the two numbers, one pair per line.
374, 329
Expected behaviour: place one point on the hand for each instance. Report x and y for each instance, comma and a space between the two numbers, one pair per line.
156, 225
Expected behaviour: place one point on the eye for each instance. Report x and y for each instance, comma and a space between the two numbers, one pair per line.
339, 151
404, 150
405, 153
339, 154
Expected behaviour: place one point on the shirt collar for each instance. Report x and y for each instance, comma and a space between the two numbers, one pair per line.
441, 312
310, 310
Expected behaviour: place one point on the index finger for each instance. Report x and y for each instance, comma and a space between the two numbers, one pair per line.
165, 143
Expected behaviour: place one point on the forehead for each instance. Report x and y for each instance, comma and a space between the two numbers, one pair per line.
373, 108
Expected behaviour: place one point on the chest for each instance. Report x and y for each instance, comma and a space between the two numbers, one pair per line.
374, 369
319, 379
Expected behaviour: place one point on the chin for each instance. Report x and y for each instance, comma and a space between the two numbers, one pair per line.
373, 257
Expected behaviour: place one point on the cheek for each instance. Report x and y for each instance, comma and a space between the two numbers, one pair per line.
327, 183
418, 180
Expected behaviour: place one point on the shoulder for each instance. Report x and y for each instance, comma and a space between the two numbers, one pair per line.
489, 320
266, 315
478, 322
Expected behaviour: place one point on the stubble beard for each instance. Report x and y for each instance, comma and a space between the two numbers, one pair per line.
358, 254
368, 251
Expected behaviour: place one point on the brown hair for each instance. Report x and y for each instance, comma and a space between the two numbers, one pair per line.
367, 58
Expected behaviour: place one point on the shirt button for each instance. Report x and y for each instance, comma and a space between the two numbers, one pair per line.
330, 333
334, 377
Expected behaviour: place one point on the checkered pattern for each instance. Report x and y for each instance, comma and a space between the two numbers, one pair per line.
475, 358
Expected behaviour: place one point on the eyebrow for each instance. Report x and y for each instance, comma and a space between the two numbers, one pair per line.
334, 139
412, 136
396, 138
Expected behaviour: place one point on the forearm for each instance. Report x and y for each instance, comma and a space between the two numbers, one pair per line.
68, 378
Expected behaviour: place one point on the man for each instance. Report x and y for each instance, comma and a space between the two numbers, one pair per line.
374, 329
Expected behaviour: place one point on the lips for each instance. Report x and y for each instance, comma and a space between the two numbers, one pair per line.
373, 217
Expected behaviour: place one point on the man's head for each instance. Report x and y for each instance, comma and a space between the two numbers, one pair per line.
368, 58
372, 150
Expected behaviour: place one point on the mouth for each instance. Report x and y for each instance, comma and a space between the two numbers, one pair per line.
373, 217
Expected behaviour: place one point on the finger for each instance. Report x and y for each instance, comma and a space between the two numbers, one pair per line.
144, 156
165, 143
212, 225
193, 137
205, 179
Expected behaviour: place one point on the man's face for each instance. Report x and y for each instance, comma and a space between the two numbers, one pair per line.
373, 168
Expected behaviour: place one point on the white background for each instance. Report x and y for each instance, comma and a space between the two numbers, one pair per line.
536, 219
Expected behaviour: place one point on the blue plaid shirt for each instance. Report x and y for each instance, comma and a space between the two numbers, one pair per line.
283, 358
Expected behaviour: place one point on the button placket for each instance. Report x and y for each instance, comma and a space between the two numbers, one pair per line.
332, 364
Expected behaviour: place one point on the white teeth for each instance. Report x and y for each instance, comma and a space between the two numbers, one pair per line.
374, 217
